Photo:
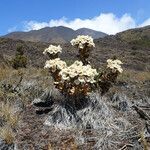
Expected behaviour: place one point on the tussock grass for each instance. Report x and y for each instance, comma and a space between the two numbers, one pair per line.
40, 75
142, 76
131, 75
50, 146
4, 73
1, 94
9, 75
144, 142
7, 134
7, 112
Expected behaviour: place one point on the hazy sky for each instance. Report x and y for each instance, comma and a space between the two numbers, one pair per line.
110, 16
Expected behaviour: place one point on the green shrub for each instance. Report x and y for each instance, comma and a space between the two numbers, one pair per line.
20, 61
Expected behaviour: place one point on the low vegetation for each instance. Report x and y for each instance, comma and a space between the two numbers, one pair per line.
20, 61
7, 134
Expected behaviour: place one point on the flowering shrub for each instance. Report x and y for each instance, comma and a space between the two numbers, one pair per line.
80, 78
82, 41
82, 74
53, 51
55, 64
114, 65
84, 44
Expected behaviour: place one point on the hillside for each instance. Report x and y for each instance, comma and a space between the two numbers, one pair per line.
54, 34
135, 53
86, 31
136, 36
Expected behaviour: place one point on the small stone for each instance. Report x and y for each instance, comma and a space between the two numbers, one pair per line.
123, 105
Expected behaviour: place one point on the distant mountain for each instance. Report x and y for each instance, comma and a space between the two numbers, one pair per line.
58, 34
93, 33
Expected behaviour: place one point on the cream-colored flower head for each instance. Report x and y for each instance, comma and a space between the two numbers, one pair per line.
80, 72
83, 40
115, 65
55, 64
53, 50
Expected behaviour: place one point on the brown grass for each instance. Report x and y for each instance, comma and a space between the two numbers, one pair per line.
7, 112
1, 95
130, 75
144, 142
69, 144
7, 134
4, 73
50, 146
142, 76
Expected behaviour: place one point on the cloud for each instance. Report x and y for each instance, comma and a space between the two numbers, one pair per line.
105, 22
12, 29
34, 25
145, 23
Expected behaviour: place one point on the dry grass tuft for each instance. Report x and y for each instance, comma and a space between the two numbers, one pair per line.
7, 112
50, 146
144, 142
1, 95
7, 134
142, 76
4, 73
69, 144
130, 75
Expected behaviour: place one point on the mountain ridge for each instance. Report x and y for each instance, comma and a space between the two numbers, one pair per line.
58, 34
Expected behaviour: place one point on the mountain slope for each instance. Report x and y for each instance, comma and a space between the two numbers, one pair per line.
139, 37
54, 34
135, 56
86, 31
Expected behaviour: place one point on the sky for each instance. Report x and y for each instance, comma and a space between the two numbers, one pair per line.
109, 16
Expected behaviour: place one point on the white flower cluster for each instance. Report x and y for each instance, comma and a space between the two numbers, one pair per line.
53, 50
55, 64
81, 40
115, 65
82, 74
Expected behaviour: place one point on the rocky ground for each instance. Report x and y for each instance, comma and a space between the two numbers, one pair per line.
118, 120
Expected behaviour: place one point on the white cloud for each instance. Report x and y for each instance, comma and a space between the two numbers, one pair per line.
12, 29
105, 22
145, 23
34, 25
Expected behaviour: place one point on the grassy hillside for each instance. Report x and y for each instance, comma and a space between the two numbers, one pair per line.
132, 47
